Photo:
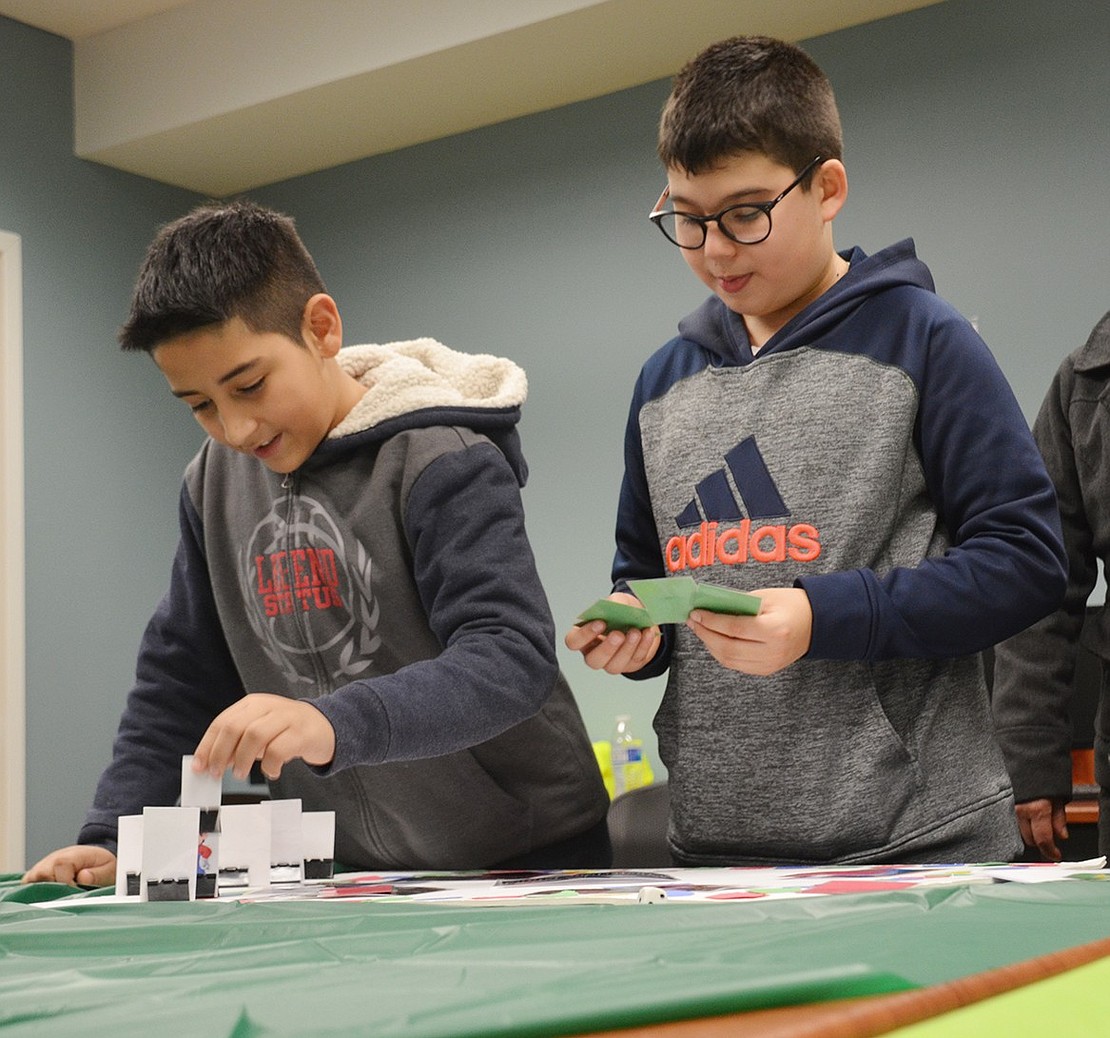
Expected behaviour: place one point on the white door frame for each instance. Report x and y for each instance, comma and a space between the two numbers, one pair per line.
13, 707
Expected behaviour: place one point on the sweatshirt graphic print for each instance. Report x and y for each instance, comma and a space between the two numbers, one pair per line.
300, 563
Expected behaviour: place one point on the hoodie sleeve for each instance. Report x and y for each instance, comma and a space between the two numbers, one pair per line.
1005, 568
476, 577
1034, 671
183, 678
638, 555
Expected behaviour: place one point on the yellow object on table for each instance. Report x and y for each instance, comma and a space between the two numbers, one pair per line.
638, 774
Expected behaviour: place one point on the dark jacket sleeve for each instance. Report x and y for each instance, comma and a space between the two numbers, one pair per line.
637, 555
183, 678
1034, 670
1005, 567
477, 579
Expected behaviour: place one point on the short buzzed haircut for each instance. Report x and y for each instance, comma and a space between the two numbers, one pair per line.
221, 261
749, 94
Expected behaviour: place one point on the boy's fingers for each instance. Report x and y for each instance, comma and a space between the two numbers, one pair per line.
623, 652
725, 624
578, 639
621, 660
261, 741
202, 755
647, 648
64, 872
278, 753
80, 864
219, 749
100, 876
602, 653
269, 729
217, 755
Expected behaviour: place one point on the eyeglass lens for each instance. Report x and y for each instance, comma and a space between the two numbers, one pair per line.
743, 223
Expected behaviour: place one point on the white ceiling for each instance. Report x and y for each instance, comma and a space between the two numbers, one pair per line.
220, 96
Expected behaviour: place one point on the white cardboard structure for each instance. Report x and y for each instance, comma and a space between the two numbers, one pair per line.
203, 846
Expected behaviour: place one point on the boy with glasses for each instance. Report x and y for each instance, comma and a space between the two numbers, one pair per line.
828, 432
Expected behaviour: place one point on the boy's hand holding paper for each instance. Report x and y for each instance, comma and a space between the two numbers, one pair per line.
617, 616
630, 636
764, 644
669, 600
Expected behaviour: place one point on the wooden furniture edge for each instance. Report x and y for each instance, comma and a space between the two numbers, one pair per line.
874, 1014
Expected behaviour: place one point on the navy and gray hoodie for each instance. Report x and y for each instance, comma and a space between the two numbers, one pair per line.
873, 454
390, 581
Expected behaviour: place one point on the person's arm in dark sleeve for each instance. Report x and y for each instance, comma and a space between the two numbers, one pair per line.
637, 554
477, 580
1034, 670
184, 678
1005, 567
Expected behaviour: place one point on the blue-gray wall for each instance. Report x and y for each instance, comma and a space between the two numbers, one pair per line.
979, 127
103, 450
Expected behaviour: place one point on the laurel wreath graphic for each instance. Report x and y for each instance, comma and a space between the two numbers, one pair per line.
289, 640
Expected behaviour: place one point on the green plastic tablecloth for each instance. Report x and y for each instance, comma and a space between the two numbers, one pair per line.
86, 966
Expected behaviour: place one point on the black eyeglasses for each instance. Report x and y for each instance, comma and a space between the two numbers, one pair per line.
748, 223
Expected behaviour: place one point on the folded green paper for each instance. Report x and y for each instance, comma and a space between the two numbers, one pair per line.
669, 600
617, 615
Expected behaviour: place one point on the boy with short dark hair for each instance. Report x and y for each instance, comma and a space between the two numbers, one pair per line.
354, 603
826, 430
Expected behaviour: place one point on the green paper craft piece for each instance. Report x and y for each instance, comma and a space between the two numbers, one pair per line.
716, 599
617, 615
669, 600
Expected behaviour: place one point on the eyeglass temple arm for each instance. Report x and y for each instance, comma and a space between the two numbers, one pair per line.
662, 200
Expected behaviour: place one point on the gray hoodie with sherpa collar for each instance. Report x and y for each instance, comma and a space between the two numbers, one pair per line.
390, 581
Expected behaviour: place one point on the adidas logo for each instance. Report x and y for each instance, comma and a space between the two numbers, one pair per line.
741, 543
714, 506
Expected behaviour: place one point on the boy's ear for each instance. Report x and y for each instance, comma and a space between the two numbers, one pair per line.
321, 324
831, 183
